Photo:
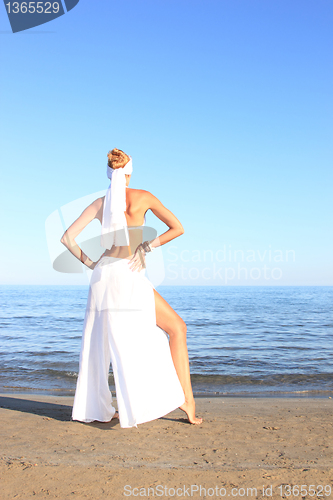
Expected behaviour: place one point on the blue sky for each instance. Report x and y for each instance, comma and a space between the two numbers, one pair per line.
225, 107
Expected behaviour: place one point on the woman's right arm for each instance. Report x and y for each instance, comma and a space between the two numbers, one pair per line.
68, 238
166, 216
175, 229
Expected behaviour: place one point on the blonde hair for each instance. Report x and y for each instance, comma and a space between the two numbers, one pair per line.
117, 158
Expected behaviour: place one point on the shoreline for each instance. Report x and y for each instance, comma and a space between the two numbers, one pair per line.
311, 393
243, 442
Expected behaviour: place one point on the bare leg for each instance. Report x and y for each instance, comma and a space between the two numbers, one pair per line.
175, 327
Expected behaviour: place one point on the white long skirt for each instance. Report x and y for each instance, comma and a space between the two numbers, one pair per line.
120, 327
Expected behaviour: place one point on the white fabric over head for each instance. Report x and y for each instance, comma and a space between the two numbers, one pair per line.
114, 224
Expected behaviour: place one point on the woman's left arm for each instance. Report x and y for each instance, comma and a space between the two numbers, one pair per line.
68, 238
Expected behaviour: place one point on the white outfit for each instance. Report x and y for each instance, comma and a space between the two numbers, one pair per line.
120, 326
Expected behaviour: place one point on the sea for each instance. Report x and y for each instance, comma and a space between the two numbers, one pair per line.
242, 341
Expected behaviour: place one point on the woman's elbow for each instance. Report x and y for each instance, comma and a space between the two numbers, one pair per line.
64, 239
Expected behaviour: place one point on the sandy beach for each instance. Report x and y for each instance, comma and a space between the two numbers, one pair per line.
243, 446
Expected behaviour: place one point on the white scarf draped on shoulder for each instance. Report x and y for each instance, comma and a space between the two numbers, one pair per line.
114, 224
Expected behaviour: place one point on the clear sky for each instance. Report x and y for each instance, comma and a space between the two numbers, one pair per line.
225, 107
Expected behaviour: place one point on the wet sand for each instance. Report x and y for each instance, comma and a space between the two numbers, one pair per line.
243, 443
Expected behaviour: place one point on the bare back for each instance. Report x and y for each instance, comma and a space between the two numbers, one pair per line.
138, 201
137, 204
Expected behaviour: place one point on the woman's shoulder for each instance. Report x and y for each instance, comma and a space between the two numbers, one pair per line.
97, 207
98, 203
140, 193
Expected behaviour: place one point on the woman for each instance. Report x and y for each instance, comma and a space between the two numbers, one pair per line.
126, 318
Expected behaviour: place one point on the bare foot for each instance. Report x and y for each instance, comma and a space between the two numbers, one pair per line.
189, 408
116, 415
